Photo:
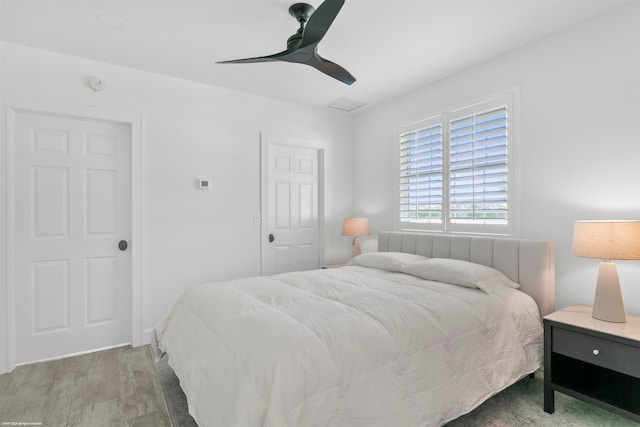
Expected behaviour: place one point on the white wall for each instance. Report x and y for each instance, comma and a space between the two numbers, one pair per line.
192, 130
579, 139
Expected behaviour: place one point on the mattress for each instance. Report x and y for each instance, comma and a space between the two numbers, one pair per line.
351, 346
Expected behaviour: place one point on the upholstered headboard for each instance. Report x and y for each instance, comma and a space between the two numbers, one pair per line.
531, 263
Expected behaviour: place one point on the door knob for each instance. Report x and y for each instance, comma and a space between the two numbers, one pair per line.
122, 245
271, 238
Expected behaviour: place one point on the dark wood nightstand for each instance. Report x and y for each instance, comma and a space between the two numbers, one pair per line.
592, 360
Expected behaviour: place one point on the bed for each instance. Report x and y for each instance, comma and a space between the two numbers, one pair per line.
382, 341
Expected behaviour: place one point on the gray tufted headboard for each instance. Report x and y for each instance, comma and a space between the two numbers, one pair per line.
531, 263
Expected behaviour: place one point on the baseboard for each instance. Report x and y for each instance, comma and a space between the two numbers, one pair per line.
78, 353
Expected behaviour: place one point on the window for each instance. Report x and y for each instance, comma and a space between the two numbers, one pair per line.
457, 170
421, 174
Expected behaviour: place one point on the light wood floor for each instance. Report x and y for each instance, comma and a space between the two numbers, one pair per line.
116, 387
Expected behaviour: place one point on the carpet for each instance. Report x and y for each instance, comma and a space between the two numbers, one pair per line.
173, 395
521, 406
517, 406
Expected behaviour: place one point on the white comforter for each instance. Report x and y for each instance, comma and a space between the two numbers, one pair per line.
352, 346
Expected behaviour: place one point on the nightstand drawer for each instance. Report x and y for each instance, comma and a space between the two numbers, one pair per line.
601, 352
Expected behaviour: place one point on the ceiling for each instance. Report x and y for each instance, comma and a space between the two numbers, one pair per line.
391, 47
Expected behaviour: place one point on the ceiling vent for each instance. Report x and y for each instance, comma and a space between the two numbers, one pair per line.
345, 104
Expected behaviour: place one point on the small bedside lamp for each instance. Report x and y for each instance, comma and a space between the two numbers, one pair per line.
607, 240
356, 227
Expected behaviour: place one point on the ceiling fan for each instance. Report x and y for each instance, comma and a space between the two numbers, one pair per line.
302, 47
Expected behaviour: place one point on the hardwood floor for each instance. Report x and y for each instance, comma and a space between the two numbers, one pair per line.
116, 387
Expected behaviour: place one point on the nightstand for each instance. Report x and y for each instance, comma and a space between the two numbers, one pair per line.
592, 360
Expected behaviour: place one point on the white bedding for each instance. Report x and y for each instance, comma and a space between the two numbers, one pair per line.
352, 346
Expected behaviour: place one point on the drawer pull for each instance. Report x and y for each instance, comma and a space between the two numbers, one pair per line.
596, 352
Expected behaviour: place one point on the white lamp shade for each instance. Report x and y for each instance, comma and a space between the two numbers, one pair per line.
355, 227
607, 239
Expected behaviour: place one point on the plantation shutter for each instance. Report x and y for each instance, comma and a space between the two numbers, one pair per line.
421, 174
478, 170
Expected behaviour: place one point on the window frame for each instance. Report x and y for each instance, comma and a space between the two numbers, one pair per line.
508, 98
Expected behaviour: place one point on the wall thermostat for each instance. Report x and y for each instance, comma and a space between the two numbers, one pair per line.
203, 183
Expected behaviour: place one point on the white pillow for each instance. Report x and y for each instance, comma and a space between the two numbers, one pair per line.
389, 261
461, 273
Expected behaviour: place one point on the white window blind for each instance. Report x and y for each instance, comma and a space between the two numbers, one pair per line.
421, 174
456, 170
478, 168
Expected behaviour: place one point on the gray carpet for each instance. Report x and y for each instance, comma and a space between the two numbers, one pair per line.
521, 406
518, 406
173, 395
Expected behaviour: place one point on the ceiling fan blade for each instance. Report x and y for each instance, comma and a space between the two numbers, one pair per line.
331, 69
280, 56
320, 21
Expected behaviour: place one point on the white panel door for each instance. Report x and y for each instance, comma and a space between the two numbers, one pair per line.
292, 209
72, 208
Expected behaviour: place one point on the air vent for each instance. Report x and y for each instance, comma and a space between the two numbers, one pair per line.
345, 104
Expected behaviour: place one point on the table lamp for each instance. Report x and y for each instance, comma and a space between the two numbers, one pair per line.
607, 240
356, 227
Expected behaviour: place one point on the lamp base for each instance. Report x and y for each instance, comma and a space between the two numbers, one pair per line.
607, 304
356, 247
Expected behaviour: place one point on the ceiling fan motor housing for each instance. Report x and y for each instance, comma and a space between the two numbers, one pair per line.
294, 41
